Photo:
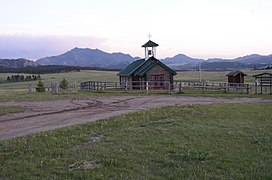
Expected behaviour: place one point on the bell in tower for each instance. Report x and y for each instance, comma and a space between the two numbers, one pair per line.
150, 49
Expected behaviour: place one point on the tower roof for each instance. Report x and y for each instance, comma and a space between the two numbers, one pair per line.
150, 44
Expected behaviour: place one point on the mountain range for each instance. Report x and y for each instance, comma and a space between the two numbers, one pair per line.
16, 63
88, 58
85, 57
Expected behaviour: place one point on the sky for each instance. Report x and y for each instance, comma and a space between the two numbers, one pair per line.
205, 29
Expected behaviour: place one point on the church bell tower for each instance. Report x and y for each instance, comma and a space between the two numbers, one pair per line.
150, 49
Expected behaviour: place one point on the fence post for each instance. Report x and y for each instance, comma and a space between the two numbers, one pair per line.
30, 88
248, 87
169, 86
52, 87
180, 88
56, 88
256, 88
126, 85
146, 86
75, 87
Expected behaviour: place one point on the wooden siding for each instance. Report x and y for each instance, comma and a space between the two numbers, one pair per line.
239, 78
159, 70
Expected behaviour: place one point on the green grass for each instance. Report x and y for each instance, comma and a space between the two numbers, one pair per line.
19, 91
72, 77
10, 109
224, 95
226, 141
47, 96
214, 76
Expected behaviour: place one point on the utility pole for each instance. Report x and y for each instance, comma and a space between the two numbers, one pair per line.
199, 69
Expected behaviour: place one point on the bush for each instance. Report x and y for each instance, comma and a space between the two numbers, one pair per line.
40, 87
64, 84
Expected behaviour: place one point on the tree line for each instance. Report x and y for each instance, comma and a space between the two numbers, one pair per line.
48, 69
18, 77
41, 69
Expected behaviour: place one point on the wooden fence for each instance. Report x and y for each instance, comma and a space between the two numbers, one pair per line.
127, 86
166, 86
182, 86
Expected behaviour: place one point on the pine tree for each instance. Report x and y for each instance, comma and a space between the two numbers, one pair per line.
64, 84
40, 87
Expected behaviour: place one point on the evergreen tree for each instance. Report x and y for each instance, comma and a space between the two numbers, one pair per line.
40, 87
17, 77
64, 84
22, 78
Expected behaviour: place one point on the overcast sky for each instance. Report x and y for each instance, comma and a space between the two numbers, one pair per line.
198, 28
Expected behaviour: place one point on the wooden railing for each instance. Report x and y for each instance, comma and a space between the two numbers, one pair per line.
166, 86
211, 86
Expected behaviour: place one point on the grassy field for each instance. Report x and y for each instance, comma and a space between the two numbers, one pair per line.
19, 90
214, 76
184, 142
111, 76
72, 77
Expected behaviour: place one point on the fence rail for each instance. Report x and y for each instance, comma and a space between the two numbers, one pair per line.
212, 87
166, 86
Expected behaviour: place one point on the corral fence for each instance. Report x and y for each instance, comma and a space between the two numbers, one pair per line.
211, 87
166, 86
127, 86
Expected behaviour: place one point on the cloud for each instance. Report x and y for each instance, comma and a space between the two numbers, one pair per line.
35, 47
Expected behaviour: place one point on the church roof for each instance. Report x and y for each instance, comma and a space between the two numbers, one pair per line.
131, 67
150, 44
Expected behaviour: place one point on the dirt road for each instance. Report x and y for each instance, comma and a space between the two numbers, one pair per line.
43, 116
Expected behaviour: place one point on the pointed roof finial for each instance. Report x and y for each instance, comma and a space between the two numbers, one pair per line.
149, 36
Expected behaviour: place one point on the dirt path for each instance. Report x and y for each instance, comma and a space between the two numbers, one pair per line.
43, 116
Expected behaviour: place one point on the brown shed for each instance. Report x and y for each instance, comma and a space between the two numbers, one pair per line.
236, 77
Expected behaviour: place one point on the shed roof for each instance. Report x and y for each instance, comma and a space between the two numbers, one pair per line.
266, 73
234, 73
131, 68
150, 44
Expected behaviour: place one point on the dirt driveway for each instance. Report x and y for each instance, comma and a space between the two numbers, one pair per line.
43, 116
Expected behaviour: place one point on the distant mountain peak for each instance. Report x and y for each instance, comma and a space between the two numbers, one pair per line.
86, 57
181, 59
